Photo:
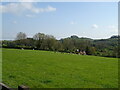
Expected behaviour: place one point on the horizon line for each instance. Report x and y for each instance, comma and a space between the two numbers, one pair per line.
67, 37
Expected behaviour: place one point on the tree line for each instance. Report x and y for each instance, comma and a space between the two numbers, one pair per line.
73, 44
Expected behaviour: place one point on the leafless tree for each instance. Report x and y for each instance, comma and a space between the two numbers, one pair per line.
21, 35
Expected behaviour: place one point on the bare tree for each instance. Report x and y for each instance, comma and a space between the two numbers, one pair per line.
21, 35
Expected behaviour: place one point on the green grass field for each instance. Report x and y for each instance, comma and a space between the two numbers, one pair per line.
0, 65
45, 69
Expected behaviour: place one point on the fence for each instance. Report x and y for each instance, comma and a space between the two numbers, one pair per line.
4, 87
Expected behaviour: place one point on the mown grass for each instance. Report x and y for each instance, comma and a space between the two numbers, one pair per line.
45, 69
0, 65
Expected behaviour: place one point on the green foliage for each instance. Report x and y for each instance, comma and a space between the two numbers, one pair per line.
90, 50
46, 69
103, 47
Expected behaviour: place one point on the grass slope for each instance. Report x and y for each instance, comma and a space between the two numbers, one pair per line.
45, 69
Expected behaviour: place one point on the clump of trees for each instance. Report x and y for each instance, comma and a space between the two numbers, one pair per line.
40, 41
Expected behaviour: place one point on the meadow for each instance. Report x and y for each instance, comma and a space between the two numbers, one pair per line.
0, 65
47, 69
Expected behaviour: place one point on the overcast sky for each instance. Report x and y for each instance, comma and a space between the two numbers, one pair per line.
61, 19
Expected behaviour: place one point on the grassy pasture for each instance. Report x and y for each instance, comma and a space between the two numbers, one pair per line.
0, 65
45, 69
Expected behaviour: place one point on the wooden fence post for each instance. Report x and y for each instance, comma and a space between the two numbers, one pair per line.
4, 87
23, 88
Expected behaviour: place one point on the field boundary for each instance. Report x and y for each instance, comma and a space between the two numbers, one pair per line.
5, 87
